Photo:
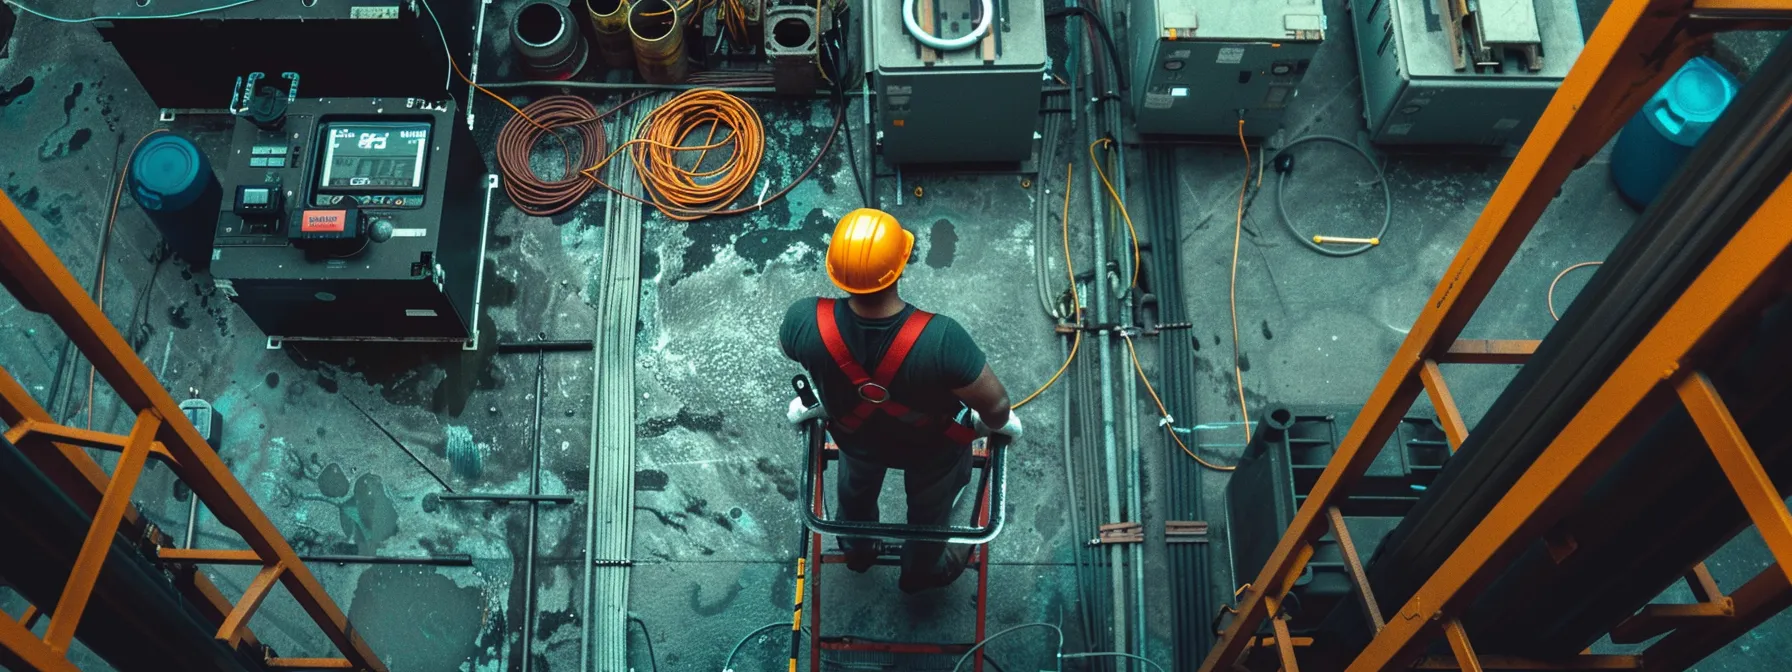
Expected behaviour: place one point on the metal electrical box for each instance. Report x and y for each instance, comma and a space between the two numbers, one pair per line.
186, 53
358, 219
1198, 65
974, 105
1480, 79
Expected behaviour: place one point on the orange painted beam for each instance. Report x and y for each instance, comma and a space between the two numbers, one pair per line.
1445, 404
1485, 351
19, 647
1636, 47
1766, 594
309, 664
98, 544
1759, 497
231, 631
39, 279
1459, 645
1736, 280
1656, 619
211, 556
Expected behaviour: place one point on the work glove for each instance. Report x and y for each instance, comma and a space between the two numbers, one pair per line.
1012, 430
798, 414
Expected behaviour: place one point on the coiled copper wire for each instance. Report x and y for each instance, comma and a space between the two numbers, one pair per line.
532, 194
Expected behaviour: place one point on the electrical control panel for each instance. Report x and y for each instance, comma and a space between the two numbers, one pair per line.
923, 115
354, 219
1201, 66
1431, 82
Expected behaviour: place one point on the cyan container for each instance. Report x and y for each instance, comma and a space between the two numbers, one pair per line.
173, 182
1660, 137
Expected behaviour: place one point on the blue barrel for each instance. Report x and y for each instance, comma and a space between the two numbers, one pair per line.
173, 182
1660, 137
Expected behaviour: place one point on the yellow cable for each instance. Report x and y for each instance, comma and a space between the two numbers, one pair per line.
1104, 142
1237, 234
1168, 424
1076, 302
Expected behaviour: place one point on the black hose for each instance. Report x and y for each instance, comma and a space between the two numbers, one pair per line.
1101, 29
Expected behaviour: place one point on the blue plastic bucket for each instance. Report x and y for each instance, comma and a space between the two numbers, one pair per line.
1660, 137
173, 182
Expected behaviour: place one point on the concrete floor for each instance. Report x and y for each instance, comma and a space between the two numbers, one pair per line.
718, 469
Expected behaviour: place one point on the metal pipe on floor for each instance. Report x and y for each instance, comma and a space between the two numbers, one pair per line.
192, 519
1135, 503
1109, 441
502, 498
1076, 509
1134, 476
443, 560
534, 511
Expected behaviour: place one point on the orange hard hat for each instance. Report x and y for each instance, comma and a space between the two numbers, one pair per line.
868, 252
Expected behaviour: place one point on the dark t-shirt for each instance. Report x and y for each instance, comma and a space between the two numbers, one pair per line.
944, 359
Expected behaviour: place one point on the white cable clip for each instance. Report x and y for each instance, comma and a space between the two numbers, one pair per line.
1166, 421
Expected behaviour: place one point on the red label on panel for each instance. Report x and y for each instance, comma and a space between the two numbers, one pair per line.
324, 220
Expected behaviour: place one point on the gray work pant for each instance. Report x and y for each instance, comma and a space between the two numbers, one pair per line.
931, 494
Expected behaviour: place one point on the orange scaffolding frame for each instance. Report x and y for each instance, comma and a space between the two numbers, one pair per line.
1635, 48
161, 431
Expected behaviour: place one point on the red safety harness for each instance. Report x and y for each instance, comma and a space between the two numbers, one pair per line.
874, 390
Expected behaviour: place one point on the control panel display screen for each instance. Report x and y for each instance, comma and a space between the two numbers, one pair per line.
374, 157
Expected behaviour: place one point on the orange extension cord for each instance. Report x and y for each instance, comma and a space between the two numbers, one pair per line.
689, 194
1237, 234
692, 193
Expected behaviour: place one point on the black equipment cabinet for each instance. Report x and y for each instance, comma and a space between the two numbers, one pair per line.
1289, 450
354, 219
340, 48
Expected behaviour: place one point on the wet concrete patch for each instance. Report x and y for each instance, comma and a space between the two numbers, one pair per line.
11, 93
369, 519
416, 618
651, 480
657, 427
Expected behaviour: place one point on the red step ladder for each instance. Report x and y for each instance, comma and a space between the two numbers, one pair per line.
987, 457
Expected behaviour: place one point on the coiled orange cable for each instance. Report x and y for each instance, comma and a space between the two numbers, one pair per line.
692, 193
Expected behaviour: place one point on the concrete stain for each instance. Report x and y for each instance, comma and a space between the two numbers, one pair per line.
657, 427
942, 244
417, 618
332, 483
779, 476
26, 199
16, 91
369, 518
273, 379
668, 519
178, 317
720, 605
651, 480
74, 96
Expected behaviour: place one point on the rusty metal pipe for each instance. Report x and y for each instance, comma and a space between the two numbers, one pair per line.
609, 24
655, 28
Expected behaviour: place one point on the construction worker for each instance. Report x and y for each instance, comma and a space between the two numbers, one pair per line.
895, 383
